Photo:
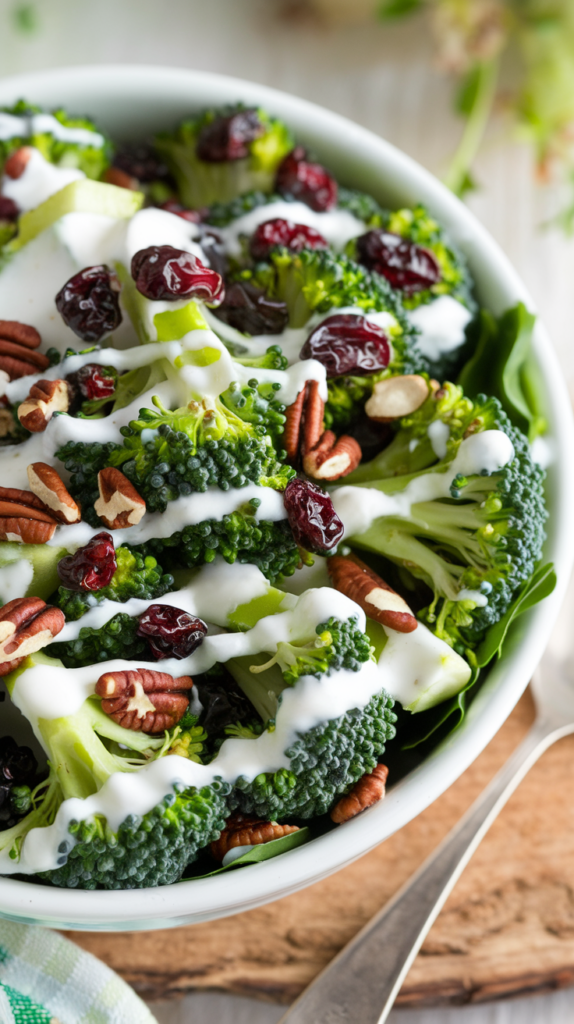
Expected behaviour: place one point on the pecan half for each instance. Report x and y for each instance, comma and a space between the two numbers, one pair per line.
18, 357
17, 162
379, 601
49, 487
24, 518
10, 666
303, 422
115, 176
26, 625
396, 397
46, 397
244, 830
366, 792
119, 504
143, 699
330, 459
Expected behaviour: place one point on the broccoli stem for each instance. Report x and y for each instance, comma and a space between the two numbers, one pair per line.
396, 460
48, 797
81, 762
394, 539
262, 689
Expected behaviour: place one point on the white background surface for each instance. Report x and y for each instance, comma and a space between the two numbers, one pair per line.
383, 78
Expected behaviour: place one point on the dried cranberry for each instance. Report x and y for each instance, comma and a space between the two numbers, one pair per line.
172, 206
213, 248
93, 381
89, 303
90, 567
284, 232
228, 138
405, 265
171, 632
371, 436
310, 183
250, 310
8, 209
162, 272
348, 343
312, 517
140, 161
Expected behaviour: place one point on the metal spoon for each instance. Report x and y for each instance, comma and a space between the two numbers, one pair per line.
361, 984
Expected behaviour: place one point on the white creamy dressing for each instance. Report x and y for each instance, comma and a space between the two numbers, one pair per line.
438, 434
336, 226
39, 180
187, 511
409, 665
442, 324
25, 126
15, 578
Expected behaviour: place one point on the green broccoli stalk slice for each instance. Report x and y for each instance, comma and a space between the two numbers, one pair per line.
200, 182
328, 759
45, 801
116, 639
44, 561
137, 575
92, 155
238, 537
487, 536
84, 750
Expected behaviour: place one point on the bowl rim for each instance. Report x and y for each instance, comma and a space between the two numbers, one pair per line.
369, 159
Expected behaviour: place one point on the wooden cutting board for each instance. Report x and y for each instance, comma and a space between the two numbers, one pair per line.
506, 930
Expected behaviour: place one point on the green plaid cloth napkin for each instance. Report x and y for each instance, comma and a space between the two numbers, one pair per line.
45, 979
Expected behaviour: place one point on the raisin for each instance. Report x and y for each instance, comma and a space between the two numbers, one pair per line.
90, 567
162, 272
312, 517
310, 183
94, 381
8, 209
89, 303
348, 343
279, 232
250, 310
228, 137
171, 632
405, 265
172, 206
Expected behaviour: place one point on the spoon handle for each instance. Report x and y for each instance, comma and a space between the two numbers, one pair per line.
362, 982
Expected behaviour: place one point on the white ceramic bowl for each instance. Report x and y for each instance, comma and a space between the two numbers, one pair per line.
135, 101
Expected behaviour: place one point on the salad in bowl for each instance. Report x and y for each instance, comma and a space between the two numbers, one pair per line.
272, 495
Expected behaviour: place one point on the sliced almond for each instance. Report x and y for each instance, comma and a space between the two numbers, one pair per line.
396, 397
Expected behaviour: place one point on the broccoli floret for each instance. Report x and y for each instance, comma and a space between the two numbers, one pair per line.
485, 537
273, 359
84, 750
201, 182
337, 645
89, 153
257, 404
221, 214
84, 461
238, 537
116, 639
328, 759
201, 445
187, 739
363, 206
137, 575
418, 226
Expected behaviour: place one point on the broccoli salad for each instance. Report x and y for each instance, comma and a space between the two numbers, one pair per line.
269, 501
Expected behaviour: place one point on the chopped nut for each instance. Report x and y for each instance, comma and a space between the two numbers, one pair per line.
144, 700
26, 625
45, 398
24, 518
330, 459
304, 422
244, 830
379, 601
17, 162
119, 504
115, 176
49, 487
366, 792
396, 397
